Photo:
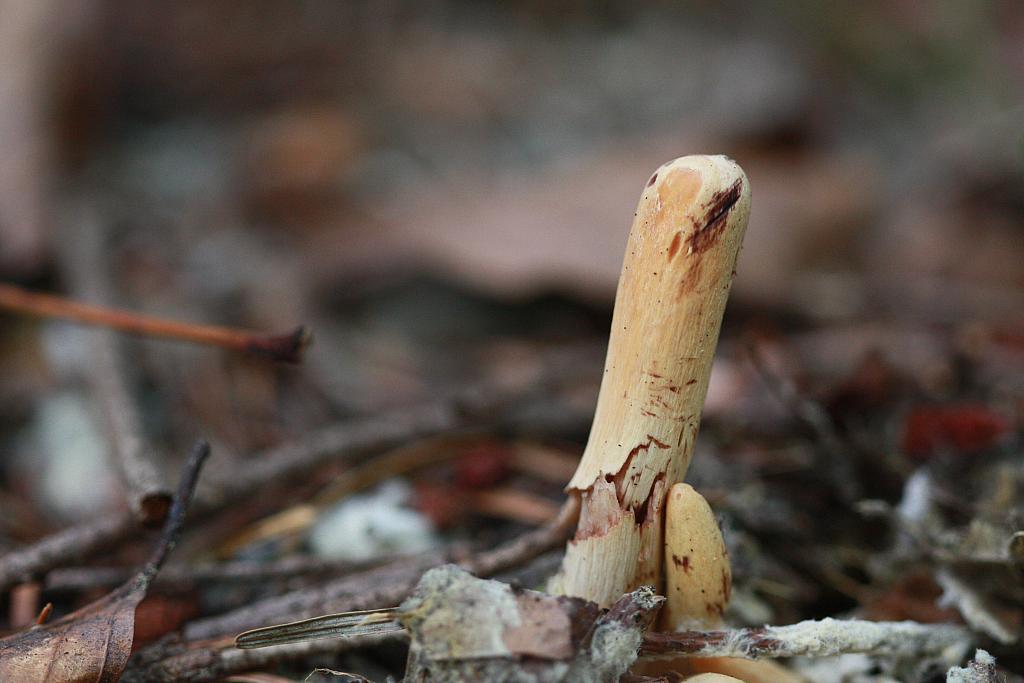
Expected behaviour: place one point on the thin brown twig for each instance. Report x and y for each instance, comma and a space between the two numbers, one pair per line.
73, 544
176, 516
286, 348
146, 484
82, 258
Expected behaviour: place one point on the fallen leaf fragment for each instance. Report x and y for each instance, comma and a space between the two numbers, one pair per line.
93, 643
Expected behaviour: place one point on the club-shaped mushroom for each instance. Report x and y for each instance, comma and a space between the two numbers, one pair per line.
679, 265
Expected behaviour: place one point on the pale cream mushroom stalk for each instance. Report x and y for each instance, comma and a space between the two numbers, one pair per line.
679, 265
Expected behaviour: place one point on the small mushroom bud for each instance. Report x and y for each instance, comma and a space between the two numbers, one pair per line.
748, 670
698, 579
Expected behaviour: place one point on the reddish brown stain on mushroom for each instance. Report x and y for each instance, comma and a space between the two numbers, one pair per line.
683, 562
673, 248
715, 608
693, 275
708, 229
653, 178
692, 381
659, 444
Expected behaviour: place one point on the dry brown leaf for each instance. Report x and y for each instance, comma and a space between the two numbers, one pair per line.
93, 643
565, 227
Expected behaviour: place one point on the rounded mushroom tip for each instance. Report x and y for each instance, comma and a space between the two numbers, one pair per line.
682, 496
680, 491
709, 189
716, 169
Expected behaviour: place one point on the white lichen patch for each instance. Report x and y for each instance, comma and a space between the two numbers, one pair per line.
981, 669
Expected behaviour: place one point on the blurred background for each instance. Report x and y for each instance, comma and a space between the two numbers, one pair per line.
500, 146
442, 191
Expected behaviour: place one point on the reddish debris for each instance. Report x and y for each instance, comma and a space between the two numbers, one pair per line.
438, 503
683, 563
964, 428
482, 466
872, 386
